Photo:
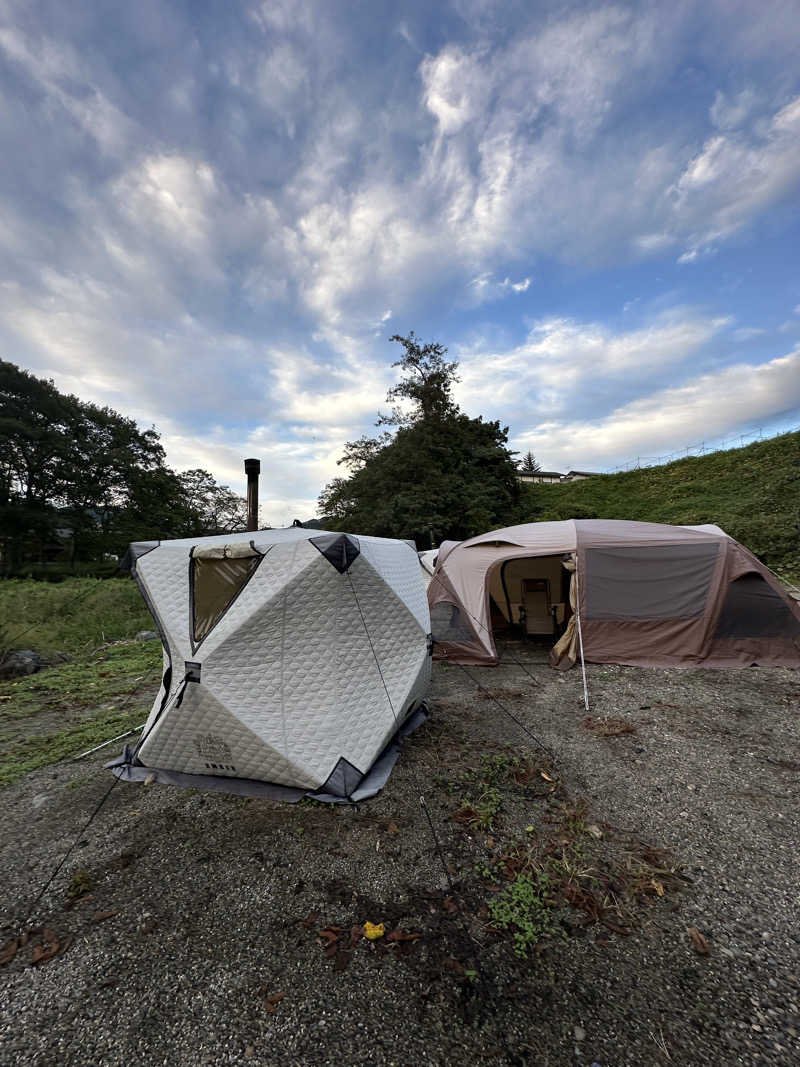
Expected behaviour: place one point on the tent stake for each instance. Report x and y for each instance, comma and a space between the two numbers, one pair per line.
97, 748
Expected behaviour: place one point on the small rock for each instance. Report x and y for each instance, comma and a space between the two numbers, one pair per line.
39, 799
580, 1034
18, 664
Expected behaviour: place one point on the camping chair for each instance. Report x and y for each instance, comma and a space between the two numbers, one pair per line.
537, 614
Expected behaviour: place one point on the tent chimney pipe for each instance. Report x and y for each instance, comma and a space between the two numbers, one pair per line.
252, 468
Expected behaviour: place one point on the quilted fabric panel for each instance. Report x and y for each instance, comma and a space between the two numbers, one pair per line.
203, 737
398, 565
398, 640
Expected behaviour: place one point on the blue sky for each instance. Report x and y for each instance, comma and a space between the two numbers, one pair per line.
213, 217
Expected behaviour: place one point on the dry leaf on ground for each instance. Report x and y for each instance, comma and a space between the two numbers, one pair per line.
699, 943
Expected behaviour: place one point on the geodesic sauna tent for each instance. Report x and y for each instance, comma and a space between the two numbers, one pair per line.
637, 593
292, 661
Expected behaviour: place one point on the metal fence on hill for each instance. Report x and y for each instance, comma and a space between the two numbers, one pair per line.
702, 449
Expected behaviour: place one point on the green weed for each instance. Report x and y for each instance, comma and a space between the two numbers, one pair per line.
525, 908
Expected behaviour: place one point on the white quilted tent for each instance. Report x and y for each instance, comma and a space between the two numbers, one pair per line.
292, 659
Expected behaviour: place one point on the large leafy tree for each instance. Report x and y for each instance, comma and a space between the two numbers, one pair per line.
440, 475
68, 465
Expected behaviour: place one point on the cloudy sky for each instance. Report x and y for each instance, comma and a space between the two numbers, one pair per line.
214, 216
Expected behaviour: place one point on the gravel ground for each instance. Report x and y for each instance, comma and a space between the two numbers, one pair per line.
194, 911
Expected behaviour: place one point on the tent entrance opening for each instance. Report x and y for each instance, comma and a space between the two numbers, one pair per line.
531, 595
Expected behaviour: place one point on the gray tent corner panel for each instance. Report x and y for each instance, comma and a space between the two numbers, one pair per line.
340, 550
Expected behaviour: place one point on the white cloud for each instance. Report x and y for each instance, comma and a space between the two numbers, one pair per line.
735, 176
562, 360
707, 407
728, 112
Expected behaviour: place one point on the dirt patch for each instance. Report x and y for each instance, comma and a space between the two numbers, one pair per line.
546, 919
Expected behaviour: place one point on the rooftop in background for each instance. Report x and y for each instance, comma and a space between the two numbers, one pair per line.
539, 476
542, 477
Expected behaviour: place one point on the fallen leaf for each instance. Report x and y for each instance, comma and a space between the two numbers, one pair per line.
659, 888
8, 951
393, 828
273, 1000
310, 919
331, 949
401, 935
546, 776
372, 931
449, 905
48, 949
699, 943
103, 915
356, 933
330, 934
595, 831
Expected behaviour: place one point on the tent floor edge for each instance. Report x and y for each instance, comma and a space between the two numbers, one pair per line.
127, 769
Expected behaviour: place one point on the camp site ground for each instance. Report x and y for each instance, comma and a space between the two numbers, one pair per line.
199, 928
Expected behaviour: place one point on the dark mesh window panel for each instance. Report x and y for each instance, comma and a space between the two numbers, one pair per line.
752, 608
653, 582
216, 583
447, 624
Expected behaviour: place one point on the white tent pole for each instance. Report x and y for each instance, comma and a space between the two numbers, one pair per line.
580, 636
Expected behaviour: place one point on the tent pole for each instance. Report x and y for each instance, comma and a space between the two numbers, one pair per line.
580, 638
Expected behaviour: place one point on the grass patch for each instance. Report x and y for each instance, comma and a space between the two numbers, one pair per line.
73, 617
35, 752
74, 687
74, 706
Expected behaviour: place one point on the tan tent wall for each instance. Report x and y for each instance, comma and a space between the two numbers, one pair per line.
654, 600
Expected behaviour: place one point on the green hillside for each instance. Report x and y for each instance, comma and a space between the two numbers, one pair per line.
753, 493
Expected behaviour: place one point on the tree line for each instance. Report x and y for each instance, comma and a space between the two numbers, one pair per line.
78, 482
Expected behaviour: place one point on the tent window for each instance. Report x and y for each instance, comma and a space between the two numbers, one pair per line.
752, 608
653, 582
215, 584
448, 624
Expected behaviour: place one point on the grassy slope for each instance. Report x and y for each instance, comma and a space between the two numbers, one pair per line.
100, 692
753, 493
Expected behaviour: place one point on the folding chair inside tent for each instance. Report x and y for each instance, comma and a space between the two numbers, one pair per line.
537, 611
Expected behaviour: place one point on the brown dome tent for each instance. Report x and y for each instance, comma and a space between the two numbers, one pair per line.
637, 593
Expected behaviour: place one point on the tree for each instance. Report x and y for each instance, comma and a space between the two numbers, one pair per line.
441, 472
528, 464
75, 473
212, 508
427, 384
